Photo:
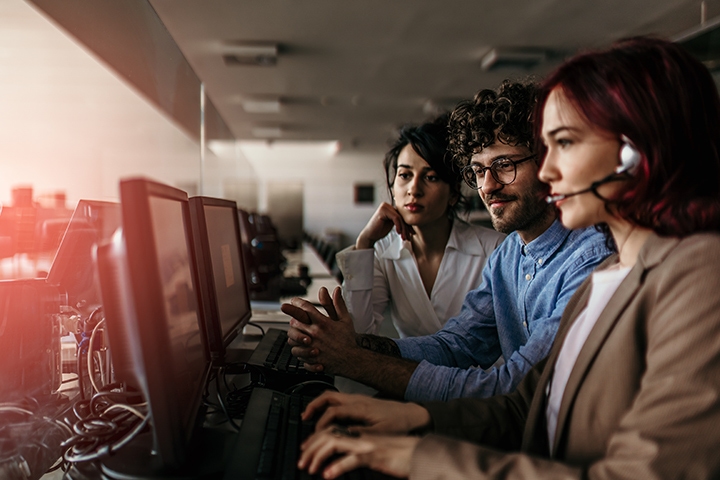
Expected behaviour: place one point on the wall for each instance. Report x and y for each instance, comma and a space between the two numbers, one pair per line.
67, 122
328, 177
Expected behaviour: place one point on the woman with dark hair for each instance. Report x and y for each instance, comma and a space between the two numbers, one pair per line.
424, 267
631, 387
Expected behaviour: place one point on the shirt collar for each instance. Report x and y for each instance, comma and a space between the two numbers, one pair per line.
462, 238
544, 246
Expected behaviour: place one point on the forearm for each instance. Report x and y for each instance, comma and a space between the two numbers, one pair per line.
377, 344
387, 374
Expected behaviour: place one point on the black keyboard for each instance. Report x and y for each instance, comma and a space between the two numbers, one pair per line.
280, 356
270, 435
268, 443
274, 366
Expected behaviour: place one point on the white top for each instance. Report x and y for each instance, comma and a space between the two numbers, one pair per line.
388, 274
604, 285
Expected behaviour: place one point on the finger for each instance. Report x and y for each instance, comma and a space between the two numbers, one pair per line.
327, 303
305, 353
313, 367
339, 303
298, 336
342, 465
296, 312
320, 402
316, 451
324, 446
343, 413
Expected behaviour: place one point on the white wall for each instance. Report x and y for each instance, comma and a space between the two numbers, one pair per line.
68, 123
328, 177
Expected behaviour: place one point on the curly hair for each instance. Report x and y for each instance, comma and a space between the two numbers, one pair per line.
503, 115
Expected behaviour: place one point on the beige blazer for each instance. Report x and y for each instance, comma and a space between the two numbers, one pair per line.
642, 401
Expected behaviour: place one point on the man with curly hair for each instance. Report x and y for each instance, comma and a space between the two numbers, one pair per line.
509, 322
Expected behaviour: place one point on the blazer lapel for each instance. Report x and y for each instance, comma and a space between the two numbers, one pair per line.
653, 252
604, 325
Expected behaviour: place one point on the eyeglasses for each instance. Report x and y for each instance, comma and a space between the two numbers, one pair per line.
503, 170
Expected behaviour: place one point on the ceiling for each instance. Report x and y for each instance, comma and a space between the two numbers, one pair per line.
354, 70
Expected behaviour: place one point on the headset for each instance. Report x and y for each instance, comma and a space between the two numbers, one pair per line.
629, 162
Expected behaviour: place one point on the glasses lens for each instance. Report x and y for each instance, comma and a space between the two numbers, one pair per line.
503, 171
469, 176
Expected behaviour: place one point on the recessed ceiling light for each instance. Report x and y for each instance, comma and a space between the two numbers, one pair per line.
261, 105
512, 58
267, 132
262, 54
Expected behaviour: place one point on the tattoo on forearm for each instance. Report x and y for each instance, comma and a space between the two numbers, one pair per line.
378, 344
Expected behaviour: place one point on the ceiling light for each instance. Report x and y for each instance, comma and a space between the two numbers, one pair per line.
524, 58
261, 105
262, 54
267, 132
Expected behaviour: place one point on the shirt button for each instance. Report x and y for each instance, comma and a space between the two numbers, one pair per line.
525, 324
540, 261
528, 277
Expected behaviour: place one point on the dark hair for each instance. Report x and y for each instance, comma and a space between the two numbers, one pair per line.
666, 103
430, 141
504, 115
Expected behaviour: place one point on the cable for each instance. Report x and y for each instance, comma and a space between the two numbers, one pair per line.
100, 429
90, 357
128, 408
256, 325
222, 403
6, 407
310, 383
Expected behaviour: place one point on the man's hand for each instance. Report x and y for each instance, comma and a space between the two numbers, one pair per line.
330, 344
386, 454
373, 415
323, 343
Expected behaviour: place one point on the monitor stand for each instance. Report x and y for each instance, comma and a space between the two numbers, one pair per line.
137, 460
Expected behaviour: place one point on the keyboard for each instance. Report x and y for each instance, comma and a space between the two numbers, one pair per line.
268, 444
280, 356
273, 365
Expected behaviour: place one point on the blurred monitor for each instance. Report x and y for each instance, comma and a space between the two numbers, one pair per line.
151, 309
73, 268
225, 306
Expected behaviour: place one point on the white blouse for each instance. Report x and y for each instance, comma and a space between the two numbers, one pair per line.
388, 275
604, 285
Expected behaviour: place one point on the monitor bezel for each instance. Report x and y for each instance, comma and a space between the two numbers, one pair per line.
172, 433
216, 340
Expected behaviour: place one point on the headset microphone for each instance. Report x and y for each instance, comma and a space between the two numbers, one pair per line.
629, 161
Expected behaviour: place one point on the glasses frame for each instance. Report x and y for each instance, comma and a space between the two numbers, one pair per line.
493, 172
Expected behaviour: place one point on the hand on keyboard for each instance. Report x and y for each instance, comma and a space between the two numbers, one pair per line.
335, 451
368, 414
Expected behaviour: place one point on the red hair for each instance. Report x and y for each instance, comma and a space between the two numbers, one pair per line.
666, 103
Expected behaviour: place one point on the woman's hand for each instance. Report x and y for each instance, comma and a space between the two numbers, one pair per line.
371, 414
390, 455
380, 224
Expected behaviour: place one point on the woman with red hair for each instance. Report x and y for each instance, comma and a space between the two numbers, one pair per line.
631, 387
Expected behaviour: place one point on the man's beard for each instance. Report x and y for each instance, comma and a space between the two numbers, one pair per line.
522, 213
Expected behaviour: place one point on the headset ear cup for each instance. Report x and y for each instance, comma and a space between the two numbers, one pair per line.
629, 157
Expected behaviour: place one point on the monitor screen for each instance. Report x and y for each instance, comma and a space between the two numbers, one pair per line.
152, 314
222, 283
73, 268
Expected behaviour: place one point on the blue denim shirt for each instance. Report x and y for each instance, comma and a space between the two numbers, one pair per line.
514, 313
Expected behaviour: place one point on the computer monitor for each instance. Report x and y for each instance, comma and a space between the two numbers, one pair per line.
148, 287
73, 269
225, 306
